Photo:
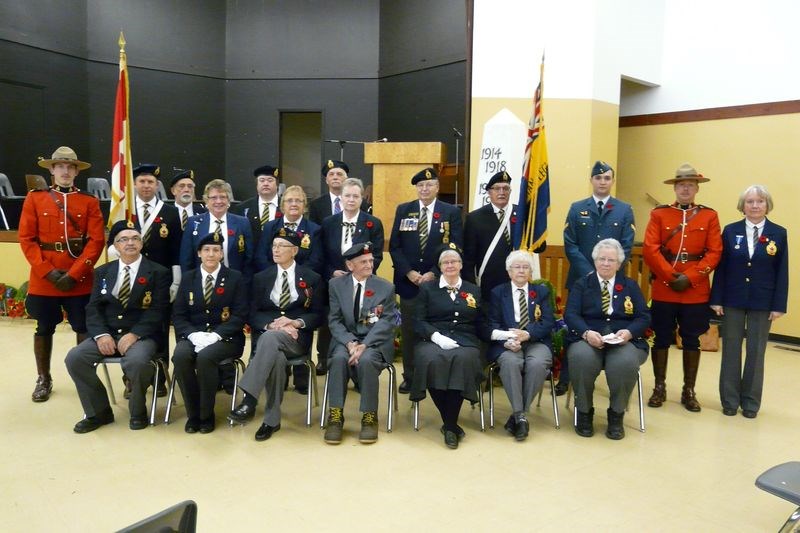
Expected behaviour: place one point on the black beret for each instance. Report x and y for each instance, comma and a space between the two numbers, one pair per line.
500, 177
332, 163
356, 250
211, 238
147, 168
267, 170
601, 167
121, 225
292, 236
449, 247
424, 175
181, 175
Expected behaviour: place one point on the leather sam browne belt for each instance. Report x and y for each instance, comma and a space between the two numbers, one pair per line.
683, 257
76, 245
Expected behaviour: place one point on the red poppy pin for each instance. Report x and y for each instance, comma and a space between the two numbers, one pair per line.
513, 220
617, 287
436, 216
532, 294
368, 293
141, 280
278, 214
762, 239
157, 220
369, 224
302, 284
609, 206
463, 294
220, 290
230, 232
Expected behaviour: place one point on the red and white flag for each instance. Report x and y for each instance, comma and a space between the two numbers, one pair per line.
121, 167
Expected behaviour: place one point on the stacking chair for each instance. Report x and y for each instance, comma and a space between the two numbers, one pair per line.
784, 481
161, 192
238, 366
391, 402
493, 367
157, 364
99, 187
641, 403
312, 389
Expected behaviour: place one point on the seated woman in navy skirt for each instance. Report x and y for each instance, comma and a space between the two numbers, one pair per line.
447, 358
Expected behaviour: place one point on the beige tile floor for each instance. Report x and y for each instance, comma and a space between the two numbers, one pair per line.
688, 472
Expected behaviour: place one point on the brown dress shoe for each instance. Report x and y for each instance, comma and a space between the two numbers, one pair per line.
44, 386
659, 395
689, 400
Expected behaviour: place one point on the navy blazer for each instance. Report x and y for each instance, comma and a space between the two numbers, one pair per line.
479, 231
225, 315
148, 303
760, 283
239, 242
163, 243
369, 228
404, 245
308, 306
585, 227
501, 316
309, 255
249, 210
459, 319
584, 309
320, 208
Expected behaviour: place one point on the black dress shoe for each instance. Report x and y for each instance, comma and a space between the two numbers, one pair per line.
162, 390
301, 389
138, 422
747, 413
321, 369
450, 439
93, 422
585, 427
192, 426
523, 428
265, 432
561, 388
459, 432
207, 426
242, 414
511, 425
405, 387
728, 411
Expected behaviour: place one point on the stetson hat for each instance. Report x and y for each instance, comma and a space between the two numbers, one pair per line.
64, 154
686, 172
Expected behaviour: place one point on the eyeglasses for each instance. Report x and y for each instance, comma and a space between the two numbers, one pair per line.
607, 260
520, 267
451, 262
215, 198
427, 184
125, 240
500, 189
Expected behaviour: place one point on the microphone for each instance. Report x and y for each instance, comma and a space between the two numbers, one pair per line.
456, 131
334, 141
383, 140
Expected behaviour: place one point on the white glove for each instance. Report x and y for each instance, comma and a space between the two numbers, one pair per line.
176, 281
500, 335
173, 292
445, 343
197, 338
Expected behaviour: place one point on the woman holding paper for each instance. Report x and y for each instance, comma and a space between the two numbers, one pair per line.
607, 317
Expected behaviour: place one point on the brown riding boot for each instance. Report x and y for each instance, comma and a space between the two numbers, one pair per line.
659, 358
42, 350
691, 362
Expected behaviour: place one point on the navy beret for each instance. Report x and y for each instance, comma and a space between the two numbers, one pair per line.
181, 175
292, 236
211, 238
424, 175
332, 163
119, 226
500, 177
267, 170
356, 250
146, 168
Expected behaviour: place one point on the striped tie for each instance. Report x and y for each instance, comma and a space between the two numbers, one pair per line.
125, 288
145, 217
755, 240
207, 289
337, 206
218, 229
349, 227
422, 228
500, 214
265, 215
524, 316
184, 218
285, 294
605, 298
291, 226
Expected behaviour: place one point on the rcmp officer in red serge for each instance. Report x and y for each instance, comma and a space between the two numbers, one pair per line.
682, 246
61, 235
420, 228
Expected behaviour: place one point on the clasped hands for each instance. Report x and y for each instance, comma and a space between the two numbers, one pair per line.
285, 324
108, 347
355, 349
515, 339
62, 281
418, 279
596, 340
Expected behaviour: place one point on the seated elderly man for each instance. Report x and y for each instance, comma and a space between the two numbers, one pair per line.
286, 306
607, 317
520, 324
361, 319
126, 310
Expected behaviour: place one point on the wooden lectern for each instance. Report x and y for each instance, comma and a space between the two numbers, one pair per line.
393, 166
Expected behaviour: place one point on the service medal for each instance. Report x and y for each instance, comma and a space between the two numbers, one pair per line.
147, 300
226, 314
628, 305
471, 301
191, 298
446, 230
537, 312
104, 290
163, 232
241, 244
771, 248
306, 241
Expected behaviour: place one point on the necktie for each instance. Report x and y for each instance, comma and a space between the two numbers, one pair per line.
219, 227
125, 288
357, 303
500, 214
337, 206
292, 226
265, 215
184, 218
349, 227
285, 294
452, 292
207, 288
600, 206
524, 316
755, 240
422, 228
605, 298
146, 214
